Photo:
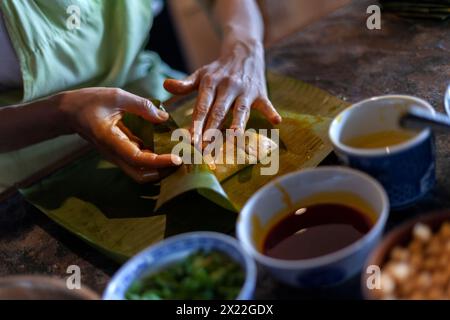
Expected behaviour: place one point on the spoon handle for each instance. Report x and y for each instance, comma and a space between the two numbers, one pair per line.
447, 100
418, 119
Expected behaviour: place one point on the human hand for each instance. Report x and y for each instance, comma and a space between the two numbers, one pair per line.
96, 114
236, 81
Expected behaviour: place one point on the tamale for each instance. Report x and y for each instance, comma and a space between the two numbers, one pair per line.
232, 156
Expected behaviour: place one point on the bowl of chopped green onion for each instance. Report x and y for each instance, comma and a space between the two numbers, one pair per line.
192, 266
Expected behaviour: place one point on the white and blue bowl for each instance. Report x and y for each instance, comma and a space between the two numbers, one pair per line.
177, 248
269, 203
407, 170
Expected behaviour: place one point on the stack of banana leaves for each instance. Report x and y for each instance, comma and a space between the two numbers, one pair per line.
432, 9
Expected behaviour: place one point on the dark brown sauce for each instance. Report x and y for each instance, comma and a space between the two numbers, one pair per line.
315, 231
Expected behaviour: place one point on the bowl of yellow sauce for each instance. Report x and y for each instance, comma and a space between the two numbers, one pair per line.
381, 139
368, 137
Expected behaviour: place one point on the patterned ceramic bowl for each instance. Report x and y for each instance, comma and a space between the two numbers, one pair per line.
178, 248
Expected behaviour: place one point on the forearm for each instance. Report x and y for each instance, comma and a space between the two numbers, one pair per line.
241, 24
235, 82
27, 124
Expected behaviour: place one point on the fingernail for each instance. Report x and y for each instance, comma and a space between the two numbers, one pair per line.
176, 160
162, 114
277, 119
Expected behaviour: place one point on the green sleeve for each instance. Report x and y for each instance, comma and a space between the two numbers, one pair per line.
106, 50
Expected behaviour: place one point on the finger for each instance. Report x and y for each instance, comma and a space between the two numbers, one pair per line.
219, 111
241, 114
182, 87
118, 143
264, 106
165, 172
139, 175
204, 101
142, 107
134, 139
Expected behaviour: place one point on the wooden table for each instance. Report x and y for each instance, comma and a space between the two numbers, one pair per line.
338, 54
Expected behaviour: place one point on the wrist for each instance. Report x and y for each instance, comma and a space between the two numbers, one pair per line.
243, 48
59, 111
238, 40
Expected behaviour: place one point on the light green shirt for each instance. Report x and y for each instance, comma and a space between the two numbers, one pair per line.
104, 49
54, 55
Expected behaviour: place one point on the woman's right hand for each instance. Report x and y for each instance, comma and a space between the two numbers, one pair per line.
96, 114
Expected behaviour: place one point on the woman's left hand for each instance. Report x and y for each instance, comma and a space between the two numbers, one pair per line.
235, 82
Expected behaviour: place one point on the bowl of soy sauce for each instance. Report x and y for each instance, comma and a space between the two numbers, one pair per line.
315, 227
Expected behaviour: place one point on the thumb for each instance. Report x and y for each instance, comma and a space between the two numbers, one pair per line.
146, 109
182, 87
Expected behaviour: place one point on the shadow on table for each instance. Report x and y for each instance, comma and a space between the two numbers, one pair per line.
97, 201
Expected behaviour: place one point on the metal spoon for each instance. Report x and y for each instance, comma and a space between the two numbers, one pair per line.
447, 100
418, 118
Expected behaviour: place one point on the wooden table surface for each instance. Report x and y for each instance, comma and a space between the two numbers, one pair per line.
338, 54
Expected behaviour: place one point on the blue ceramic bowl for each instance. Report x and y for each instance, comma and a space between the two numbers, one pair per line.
177, 248
407, 170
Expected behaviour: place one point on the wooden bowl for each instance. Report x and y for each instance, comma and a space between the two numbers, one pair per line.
41, 288
400, 236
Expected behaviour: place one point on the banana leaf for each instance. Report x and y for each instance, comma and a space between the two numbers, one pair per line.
303, 143
94, 200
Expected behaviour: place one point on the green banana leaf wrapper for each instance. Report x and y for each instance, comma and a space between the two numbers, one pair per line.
93, 199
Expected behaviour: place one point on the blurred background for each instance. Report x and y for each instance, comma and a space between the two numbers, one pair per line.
194, 45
